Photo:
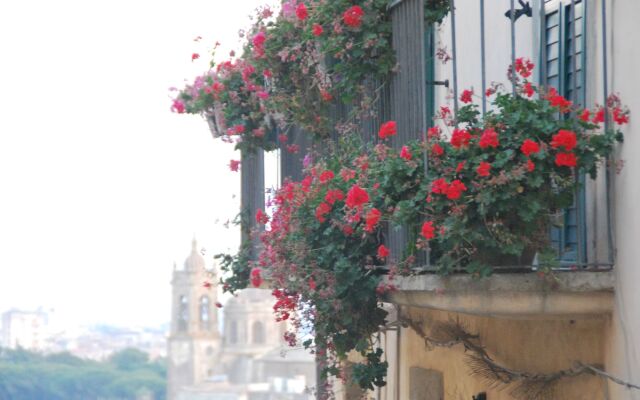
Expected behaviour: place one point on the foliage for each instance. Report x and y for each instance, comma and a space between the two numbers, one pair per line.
484, 199
26, 375
295, 65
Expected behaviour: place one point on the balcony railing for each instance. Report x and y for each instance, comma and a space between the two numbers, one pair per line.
582, 235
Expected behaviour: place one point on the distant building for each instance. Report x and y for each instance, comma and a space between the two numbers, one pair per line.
246, 362
25, 329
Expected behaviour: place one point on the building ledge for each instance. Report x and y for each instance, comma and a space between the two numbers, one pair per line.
510, 295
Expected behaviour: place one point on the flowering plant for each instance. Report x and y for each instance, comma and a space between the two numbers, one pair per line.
483, 197
294, 65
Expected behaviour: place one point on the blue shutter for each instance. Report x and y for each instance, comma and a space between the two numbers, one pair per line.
568, 232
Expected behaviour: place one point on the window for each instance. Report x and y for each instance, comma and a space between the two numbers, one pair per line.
205, 324
563, 63
257, 333
233, 332
183, 314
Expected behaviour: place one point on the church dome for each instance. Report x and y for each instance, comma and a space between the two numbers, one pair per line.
195, 262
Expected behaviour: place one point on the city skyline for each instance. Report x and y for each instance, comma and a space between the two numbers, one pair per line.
103, 187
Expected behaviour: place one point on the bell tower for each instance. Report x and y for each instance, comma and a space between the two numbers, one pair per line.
194, 340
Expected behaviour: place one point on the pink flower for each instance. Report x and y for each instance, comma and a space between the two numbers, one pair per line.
301, 12
322, 210
234, 165
261, 217
195, 56
262, 94
524, 66
317, 30
465, 97
178, 106
405, 153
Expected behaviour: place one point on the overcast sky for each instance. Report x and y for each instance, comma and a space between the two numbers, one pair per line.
101, 187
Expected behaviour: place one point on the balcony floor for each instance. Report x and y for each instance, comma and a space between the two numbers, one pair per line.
511, 295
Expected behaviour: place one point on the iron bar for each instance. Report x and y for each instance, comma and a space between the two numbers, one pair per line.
543, 44
513, 47
482, 57
455, 56
608, 177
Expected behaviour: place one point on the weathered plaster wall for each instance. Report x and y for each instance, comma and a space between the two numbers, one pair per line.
528, 345
623, 357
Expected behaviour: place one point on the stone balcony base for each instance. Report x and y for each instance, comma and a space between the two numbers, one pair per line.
511, 295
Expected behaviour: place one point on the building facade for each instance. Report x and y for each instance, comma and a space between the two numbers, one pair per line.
25, 329
531, 327
248, 360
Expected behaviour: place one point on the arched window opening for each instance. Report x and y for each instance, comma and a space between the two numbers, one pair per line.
233, 332
205, 321
183, 314
258, 333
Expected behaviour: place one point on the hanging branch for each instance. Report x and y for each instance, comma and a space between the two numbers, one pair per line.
525, 385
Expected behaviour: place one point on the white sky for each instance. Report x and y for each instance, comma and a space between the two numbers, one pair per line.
101, 187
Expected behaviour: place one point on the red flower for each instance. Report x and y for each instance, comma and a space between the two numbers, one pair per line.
433, 133
317, 30
585, 115
217, 87
234, 165
353, 16
195, 56
333, 195
437, 150
489, 138
178, 106
405, 153
484, 169
347, 230
465, 97
530, 165
566, 160
599, 117
620, 117
383, 252
387, 129
460, 166
326, 176
347, 174
558, 101
460, 138
326, 96
524, 66
322, 210
218, 304
529, 147
428, 231
371, 219
564, 138
439, 186
261, 217
489, 92
301, 12
356, 197
256, 279
528, 89
207, 285
312, 284
455, 189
